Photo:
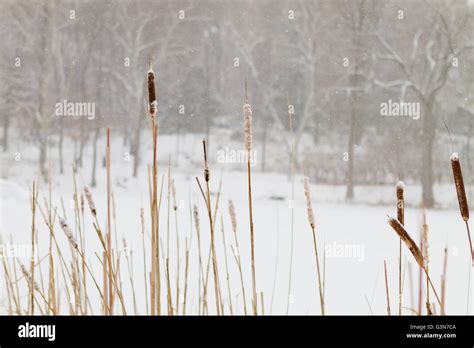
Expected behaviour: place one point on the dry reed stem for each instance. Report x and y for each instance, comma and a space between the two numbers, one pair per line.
386, 287
155, 279
292, 178
400, 191
236, 252
109, 268
416, 252
202, 298
247, 110
34, 198
175, 208
443, 283
226, 267
186, 269
426, 259
142, 221
211, 224
309, 207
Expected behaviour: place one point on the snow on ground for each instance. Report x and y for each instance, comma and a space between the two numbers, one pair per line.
356, 236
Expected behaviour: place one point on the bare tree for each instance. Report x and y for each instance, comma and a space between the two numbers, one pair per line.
425, 70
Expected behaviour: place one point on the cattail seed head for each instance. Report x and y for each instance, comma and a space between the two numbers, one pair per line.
196, 218
207, 175
425, 246
68, 232
82, 203
405, 237
248, 127
152, 104
90, 201
459, 183
309, 205
401, 202
28, 276
233, 219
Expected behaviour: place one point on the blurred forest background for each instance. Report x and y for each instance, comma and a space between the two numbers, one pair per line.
327, 65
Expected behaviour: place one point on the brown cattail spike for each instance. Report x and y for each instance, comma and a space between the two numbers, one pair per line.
462, 200
405, 237
459, 182
207, 175
401, 202
151, 93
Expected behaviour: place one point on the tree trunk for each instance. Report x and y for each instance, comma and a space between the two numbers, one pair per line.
42, 159
264, 148
6, 125
350, 151
178, 143
136, 147
94, 158
60, 148
427, 153
81, 145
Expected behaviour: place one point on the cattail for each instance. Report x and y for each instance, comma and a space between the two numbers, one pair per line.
400, 202
400, 191
207, 175
152, 104
459, 182
90, 201
82, 203
126, 250
309, 205
425, 245
28, 276
462, 200
405, 237
233, 219
67, 231
196, 218
173, 191
248, 127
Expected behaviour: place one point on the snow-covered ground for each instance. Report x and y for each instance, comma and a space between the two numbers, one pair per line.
356, 236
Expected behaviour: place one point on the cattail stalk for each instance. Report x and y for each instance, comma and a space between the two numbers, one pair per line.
416, 252
186, 269
248, 147
400, 190
109, 229
34, 197
426, 258
386, 287
292, 178
155, 279
462, 199
236, 252
142, 221
226, 267
202, 298
309, 206
443, 283
211, 224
